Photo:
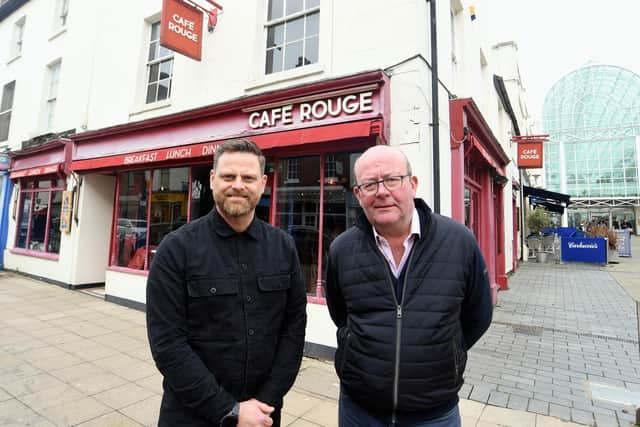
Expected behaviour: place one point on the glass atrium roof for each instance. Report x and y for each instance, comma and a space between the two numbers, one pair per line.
592, 116
594, 97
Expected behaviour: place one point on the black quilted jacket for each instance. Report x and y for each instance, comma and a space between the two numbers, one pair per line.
410, 355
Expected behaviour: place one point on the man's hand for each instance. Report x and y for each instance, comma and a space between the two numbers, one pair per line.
254, 413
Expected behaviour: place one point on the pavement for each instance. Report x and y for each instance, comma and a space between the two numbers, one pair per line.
562, 351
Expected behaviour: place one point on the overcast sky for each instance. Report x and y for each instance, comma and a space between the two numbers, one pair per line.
555, 37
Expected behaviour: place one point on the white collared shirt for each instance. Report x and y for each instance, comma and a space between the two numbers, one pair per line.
385, 248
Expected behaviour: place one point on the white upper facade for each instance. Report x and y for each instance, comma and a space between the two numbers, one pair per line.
96, 65
84, 65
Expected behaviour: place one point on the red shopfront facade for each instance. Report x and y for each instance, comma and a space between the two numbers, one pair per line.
478, 166
40, 174
311, 136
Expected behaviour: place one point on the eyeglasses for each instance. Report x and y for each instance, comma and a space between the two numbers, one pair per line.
391, 183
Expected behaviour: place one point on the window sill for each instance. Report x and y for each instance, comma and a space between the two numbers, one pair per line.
14, 59
150, 107
283, 76
57, 33
128, 270
35, 254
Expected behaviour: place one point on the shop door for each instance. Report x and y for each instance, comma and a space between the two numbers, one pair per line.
471, 210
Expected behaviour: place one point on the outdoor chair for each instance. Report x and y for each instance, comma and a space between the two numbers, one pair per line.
533, 243
547, 242
551, 245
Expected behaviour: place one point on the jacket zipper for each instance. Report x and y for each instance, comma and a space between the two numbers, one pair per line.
455, 362
396, 369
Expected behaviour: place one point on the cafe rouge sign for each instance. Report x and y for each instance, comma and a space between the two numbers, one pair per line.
310, 111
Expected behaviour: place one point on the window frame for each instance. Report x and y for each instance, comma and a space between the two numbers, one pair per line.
283, 20
60, 15
18, 37
158, 60
8, 110
113, 262
51, 99
25, 190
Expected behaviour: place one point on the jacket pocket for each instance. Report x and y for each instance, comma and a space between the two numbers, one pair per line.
280, 282
210, 287
345, 351
458, 361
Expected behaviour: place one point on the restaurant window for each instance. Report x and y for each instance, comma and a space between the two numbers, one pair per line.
6, 105
201, 196
293, 29
341, 208
159, 68
298, 208
150, 205
39, 215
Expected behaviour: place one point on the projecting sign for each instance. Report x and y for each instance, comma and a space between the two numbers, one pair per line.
530, 154
181, 28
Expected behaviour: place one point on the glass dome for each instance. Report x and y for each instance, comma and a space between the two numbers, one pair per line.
592, 116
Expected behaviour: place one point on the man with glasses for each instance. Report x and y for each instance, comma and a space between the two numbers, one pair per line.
409, 292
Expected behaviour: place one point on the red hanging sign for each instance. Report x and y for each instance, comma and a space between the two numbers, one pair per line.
181, 28
530, 148
530, 155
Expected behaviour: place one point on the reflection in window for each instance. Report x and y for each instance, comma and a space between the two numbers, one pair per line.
293, 30
341, 208
39, 220
159, 68
39, 215
169, 194
297, 209
131, 227
23, 224
53, 240
201, 196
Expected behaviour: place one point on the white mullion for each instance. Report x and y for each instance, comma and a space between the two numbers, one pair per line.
304, 38
284, 41
292, 16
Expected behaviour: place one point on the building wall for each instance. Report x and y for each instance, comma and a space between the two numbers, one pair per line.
103, 78
93, 233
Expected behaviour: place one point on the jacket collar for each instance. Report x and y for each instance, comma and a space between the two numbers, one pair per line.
424, 212
223, 229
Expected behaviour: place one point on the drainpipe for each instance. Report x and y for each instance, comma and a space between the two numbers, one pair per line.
435, 116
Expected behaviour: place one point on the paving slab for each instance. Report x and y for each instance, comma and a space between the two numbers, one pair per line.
540, 354
557, 330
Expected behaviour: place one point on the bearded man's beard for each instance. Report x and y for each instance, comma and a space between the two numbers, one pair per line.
235, 208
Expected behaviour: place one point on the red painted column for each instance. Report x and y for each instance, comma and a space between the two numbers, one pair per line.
457, 183
501, 275
487, 230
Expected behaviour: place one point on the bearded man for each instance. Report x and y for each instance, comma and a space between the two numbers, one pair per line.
226, 306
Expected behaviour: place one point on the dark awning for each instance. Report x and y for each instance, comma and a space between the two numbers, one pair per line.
550, 200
